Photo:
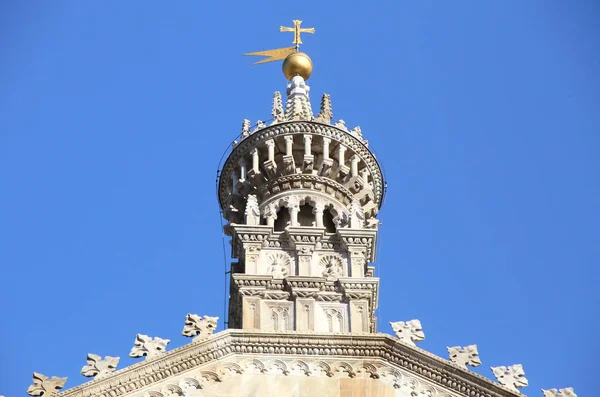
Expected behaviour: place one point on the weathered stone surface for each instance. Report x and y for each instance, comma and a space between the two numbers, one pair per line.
512, 377
464, 356
98, 367
145, 345
43, 385
408, 332
200, 328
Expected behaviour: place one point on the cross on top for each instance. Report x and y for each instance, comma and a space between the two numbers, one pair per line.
297, 30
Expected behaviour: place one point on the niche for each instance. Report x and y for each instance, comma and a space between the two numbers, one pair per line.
306, 216
328, 221
283, 219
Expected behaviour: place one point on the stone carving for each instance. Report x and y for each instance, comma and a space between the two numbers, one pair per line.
201, 328
43, 385
148, 346
277, 110
326, 114
512, 377
252, 213
259, 126
341, 125
332, 265
298, 102
245, 128
279, 265
408, 332
357, 216
357, 132
98, 367
464, 356
368, 161
566, 392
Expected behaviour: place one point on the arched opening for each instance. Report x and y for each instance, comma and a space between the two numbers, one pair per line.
283, 219
328, 221
306, 216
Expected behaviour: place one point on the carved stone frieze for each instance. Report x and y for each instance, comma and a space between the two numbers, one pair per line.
370, 355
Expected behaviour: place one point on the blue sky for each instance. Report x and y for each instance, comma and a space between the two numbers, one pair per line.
484, 115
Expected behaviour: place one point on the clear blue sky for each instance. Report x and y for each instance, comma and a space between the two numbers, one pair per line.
484, 114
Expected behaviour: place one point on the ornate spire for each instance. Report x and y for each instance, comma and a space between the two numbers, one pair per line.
298, 102
277, 110
326, 114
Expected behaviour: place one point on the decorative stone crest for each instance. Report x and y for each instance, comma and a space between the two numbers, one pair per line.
148, 346
43, 385
512, 377
464, 356
279, 264
252, 213
566, 392
408, 332
98, 367
200, 328
332, 265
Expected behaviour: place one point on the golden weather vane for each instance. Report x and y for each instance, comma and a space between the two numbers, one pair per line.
295, 63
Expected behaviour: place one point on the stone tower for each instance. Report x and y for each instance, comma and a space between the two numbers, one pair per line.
301, 196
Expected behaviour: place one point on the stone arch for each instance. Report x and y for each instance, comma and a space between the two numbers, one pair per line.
273, 209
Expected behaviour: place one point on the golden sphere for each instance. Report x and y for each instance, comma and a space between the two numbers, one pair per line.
297, 63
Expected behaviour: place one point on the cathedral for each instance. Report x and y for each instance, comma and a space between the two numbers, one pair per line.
300, 195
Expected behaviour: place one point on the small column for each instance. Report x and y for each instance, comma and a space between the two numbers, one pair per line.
292, 203
270, 165
305, 254
271, 147
289, 142
289, 166
307, 143
254, 153
341, 153
342, 167
309, 159
326, 142
318, 210
242, 164
354, 165
327, 162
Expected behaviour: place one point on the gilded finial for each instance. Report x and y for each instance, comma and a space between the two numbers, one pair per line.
295, 63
